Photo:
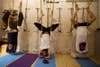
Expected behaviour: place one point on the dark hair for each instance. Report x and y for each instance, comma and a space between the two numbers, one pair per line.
82, 46
46, 52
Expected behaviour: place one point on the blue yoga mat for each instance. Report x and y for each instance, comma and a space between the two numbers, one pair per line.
39, 63
8, 58
86, 62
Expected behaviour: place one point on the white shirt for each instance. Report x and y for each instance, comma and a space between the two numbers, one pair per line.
81, 36
45, 41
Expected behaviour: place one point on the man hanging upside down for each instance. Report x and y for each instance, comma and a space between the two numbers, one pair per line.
81, 29
45, 40
13, 23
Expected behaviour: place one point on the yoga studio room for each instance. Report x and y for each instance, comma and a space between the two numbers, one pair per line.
49, 33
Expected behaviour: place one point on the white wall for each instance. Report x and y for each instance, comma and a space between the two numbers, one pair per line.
60, 42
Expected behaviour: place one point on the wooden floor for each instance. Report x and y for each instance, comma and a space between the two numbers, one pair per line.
96, 59
3, 50
62, 60
65, 60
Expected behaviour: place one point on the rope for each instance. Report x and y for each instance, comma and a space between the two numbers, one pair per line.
74, 14
75, 9
59, 19
41, 12
90, 16
13, 4
20, 7
37, 9
8, 22
25, 27
71, 28
88, 5
20, 10
52, 12
10, 4
48, 13
83, 16
52, 17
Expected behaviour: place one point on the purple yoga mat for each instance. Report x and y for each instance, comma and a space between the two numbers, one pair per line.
25, 61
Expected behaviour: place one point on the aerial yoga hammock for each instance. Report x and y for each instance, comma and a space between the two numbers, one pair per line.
81, 28
45, 37
13, 21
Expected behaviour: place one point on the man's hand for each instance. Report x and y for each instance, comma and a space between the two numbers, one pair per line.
8, 29
19, 28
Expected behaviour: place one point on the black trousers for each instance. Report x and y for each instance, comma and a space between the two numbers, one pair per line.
12, 40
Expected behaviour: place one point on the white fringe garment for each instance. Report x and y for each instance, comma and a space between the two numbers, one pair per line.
81, 36
45, 41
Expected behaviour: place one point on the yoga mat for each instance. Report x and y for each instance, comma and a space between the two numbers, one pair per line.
40, 64
8, 58
25, 61
86, 62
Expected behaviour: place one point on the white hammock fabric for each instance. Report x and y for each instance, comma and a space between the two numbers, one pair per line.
45, 41
81, 36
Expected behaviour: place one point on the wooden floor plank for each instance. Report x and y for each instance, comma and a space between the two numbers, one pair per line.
65, 60
96, 59
3, 50
62, 60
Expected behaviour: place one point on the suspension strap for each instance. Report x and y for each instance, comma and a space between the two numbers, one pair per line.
25, 24
41, 12
52, 13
